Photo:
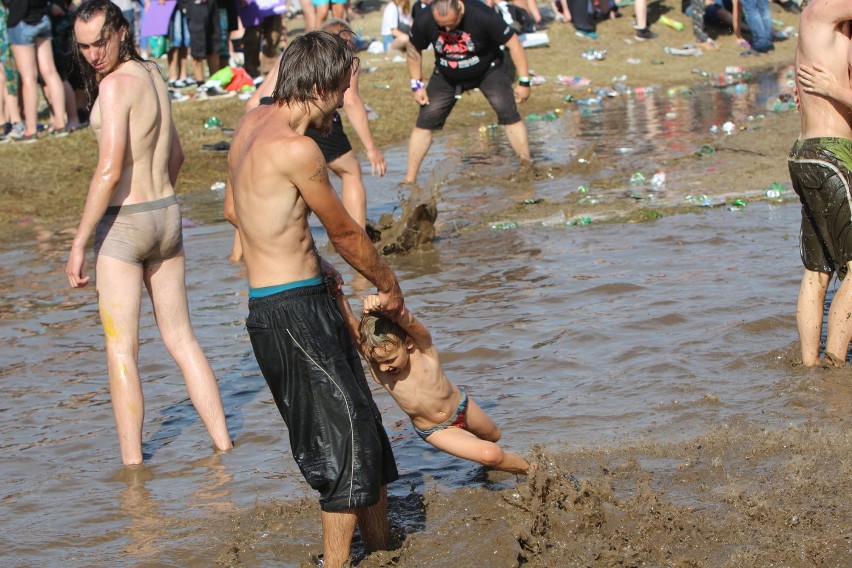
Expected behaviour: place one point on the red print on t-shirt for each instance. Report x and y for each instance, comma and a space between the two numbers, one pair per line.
454, 46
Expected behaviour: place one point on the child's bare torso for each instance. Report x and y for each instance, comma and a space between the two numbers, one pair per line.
422, 390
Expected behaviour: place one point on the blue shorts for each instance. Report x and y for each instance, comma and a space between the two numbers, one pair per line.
179, 30
324, 2
25, 34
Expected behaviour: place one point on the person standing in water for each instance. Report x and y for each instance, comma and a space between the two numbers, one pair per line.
820, 165
134, 215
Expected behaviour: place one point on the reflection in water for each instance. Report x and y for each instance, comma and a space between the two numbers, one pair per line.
570, 338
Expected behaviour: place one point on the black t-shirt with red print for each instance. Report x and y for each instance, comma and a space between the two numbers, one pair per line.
466, 52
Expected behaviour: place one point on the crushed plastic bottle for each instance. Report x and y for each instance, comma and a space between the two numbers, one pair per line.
637, 177
659, 179
504, 225
581, 220
218, 186
212, 122
737, 205
775, 191
729, 128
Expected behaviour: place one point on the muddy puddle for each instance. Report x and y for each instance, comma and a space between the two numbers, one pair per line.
651, 368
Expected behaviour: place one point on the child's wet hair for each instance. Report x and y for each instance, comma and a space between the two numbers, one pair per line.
377, 330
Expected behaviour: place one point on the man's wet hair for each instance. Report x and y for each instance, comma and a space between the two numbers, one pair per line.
313, 65
377, 330
443, 7
114, 20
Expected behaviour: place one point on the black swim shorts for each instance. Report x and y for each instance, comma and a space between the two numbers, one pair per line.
820, 171
205, 34
314, 372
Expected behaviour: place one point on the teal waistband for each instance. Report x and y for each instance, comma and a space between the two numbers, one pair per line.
264, 291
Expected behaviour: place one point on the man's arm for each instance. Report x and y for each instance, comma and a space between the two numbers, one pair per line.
818, 80
308, 172
114, 108
414, 61
353, 105
519, 58
176, 157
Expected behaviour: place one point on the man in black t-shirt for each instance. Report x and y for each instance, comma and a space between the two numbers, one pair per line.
467, 37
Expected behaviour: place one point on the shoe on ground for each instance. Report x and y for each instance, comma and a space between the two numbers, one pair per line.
588, 34
177, 96
213, 92
220, 147
61, 133
178, 83
646, 34
26, 138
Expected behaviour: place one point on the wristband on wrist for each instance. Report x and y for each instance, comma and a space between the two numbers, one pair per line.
524, 81
416, 84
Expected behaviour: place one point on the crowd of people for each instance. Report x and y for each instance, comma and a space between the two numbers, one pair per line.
197, 38
307, 339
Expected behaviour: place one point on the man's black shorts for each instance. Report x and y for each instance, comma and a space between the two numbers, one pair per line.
205, 34
820, 171
314, 372
495, 85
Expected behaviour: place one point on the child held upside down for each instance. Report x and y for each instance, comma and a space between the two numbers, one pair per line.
404, 361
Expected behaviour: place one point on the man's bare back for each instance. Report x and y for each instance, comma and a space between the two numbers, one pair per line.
823, 39
135, 90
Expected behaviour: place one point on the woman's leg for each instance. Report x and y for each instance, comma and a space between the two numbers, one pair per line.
25, 61
47, 68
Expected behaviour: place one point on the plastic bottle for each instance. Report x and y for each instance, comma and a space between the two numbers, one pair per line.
673, 24
212, 122
504, 225
579, 221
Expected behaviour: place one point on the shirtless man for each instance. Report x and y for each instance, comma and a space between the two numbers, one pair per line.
336, 148
132, 211
277, 177
820, 164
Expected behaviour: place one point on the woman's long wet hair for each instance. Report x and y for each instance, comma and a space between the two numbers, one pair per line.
114, 20
313, 65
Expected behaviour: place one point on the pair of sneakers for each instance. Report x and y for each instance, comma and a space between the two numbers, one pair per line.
212, 91
182, 83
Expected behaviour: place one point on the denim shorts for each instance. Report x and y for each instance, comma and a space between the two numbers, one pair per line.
179, 30
25, 34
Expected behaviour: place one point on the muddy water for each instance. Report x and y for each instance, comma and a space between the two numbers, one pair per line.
656, 363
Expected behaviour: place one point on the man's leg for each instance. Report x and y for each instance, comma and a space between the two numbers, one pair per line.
119, 295
809, 311
166, 286
839, 330
418, 145
354, 197
519, 140
373, 523
337, 531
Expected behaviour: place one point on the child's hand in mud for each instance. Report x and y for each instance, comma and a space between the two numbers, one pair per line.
333, 279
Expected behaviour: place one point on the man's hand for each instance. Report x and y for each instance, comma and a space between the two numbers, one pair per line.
390, 304
74, 268
377, 161
333, 279
522, 93
420, 97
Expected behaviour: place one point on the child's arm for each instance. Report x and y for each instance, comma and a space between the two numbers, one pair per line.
412, 326
335, 287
